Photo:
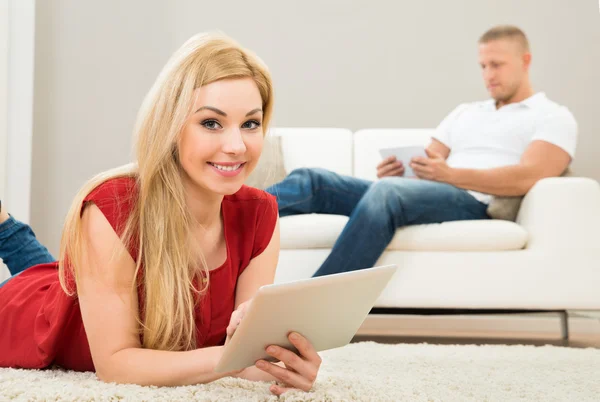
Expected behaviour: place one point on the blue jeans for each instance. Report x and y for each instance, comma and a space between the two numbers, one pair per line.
376, 210
19, 248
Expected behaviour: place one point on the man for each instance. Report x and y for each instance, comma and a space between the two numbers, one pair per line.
501, 146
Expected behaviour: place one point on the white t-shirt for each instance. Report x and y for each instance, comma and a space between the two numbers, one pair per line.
482, 137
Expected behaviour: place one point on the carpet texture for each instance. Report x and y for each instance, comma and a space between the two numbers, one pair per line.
364, 371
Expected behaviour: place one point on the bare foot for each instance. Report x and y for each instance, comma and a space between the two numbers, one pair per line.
3, 213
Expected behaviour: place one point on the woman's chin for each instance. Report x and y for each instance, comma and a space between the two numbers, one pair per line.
227, 188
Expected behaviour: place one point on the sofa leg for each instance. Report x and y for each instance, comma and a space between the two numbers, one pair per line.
564, 325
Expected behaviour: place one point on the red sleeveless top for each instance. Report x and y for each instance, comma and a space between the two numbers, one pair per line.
40, 325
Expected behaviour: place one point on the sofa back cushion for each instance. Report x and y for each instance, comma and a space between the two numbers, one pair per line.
328, 148
368, 142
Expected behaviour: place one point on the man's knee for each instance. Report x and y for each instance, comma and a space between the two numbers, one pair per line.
310, 176
385, 187
391, 193
378, 195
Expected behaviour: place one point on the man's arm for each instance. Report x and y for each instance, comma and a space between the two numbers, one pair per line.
439, 148
548, 154
540, 160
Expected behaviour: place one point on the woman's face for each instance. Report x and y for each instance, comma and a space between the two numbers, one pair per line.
223, 138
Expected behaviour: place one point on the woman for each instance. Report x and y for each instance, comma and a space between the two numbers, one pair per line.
155, 258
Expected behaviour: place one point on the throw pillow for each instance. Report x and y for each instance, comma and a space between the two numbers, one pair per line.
270, 168
507, 208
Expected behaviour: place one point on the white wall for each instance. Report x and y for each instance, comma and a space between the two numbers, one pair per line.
335, 63
404, 63
3, 107
94, 63
3, 91
17, 21
20, 107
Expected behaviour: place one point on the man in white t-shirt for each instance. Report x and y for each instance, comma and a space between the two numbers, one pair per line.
504, 145
501, 146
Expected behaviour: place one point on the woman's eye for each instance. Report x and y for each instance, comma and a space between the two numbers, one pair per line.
251, 124
211, 124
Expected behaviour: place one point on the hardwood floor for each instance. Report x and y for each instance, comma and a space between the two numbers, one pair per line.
528, 329
585, 341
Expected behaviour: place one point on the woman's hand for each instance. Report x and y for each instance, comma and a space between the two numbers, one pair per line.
236, 318
300, 369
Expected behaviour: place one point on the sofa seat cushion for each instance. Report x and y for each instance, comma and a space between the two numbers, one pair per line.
321, 231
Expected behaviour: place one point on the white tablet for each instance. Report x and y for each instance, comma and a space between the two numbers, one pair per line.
327, 310
404, 154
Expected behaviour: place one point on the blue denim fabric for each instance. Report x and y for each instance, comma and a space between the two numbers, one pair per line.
376, 210
19, 248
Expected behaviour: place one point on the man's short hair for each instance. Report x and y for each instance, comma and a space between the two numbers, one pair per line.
506, 32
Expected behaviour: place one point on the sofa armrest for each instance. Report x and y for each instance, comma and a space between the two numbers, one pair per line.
562, 214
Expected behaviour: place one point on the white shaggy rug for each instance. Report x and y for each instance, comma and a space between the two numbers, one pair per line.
364, 371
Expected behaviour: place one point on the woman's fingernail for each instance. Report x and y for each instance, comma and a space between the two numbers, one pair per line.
294, 336
260, 364
271, 349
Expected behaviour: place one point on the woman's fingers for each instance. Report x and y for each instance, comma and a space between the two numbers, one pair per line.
279, 390
301, 368
288, 377
233, 323
305, 348
236, 318
294, 362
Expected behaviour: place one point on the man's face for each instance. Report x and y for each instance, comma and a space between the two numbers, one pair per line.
504, 65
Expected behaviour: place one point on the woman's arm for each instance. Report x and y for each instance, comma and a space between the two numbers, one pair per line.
109, 310
260, 271
294, 370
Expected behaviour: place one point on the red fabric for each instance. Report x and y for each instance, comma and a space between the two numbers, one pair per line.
40, 325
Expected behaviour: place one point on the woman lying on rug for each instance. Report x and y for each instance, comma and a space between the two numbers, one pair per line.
155, 259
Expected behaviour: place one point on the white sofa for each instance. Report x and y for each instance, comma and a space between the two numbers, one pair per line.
548, 260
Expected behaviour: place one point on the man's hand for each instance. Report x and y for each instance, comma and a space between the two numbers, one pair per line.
433, 168
390, 167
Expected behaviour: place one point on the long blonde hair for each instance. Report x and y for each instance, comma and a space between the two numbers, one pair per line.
170, 264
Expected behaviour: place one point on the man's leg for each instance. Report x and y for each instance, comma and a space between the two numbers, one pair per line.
19, 248
306, 191
389, 204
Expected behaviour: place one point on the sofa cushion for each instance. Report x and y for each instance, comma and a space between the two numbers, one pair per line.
321, 231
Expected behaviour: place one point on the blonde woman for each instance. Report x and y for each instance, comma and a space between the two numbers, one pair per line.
158, 261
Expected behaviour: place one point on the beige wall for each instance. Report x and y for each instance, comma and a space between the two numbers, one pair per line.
335, 63
3, 92
95, 60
